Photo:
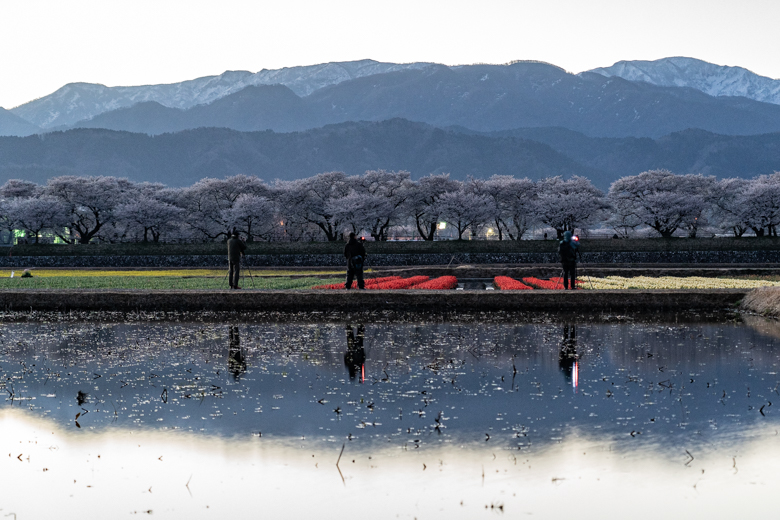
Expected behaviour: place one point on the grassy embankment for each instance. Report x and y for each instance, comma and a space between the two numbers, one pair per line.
764, 301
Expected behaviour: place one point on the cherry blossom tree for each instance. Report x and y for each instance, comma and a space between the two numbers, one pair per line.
385, 195
700, 190
14, 189
207, 202
660, 199
36, 214
309, 201
91, 202
150, 216
513, 203
623, 217
253, 215
424, 202
568, 204
375, 202
18, 188
728, 197
7, 223
760, 204
464, 209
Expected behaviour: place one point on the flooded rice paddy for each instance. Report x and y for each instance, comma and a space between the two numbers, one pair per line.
389, 420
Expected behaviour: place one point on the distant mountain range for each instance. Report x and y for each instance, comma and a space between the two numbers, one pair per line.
709, 78
79, 101
479, 97
525, 118
641, 99
180, 159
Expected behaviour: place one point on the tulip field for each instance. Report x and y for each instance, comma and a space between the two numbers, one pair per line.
397, 282
184, 279
506, 283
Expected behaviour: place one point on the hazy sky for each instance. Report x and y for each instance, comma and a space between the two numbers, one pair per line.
45, 44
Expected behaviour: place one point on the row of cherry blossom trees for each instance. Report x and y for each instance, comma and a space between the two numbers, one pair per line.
325, 206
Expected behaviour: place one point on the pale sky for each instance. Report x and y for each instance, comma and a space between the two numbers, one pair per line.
45, 44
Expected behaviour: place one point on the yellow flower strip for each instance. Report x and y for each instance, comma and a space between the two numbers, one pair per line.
673, 282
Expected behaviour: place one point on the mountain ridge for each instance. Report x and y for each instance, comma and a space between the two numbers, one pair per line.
630, 98
182, 158
479, 97
79, 101
712, 79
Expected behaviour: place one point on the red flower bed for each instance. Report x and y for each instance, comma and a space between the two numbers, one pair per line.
543, 284
368, 281
506, 283
403, 283
441, 283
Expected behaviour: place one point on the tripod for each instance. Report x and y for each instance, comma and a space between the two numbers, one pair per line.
240, 276
587, 275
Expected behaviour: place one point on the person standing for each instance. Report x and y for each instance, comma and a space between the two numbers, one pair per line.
567, 250
355, 254
236, 248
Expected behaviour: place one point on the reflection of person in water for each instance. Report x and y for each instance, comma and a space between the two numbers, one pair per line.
568, 359
236, 361
355, 356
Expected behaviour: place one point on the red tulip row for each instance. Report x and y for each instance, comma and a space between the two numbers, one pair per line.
506, 283
369, 282
402, 283
441, 283
543, 284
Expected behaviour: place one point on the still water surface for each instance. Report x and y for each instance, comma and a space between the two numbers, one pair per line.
456, 420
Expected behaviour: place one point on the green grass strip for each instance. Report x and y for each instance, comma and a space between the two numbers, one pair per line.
158, 282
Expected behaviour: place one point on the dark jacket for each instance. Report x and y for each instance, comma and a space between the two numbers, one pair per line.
353, 249
567, 250
235, 248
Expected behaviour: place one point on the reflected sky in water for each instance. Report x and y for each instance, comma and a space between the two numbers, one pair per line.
437, 419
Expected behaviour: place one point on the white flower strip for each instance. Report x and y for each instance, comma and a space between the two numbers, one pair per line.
672, 282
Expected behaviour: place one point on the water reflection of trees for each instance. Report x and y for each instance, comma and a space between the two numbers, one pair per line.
391, 345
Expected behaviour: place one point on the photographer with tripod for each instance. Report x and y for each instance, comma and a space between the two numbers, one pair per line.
236, 248
568, 249
355, 254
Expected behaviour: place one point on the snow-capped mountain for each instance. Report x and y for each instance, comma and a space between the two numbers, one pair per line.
715, 80
79, 101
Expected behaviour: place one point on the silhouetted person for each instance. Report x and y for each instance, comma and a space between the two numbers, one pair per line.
236, 248
355, 254
568, 357
568, 250
236, 360
355, 356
